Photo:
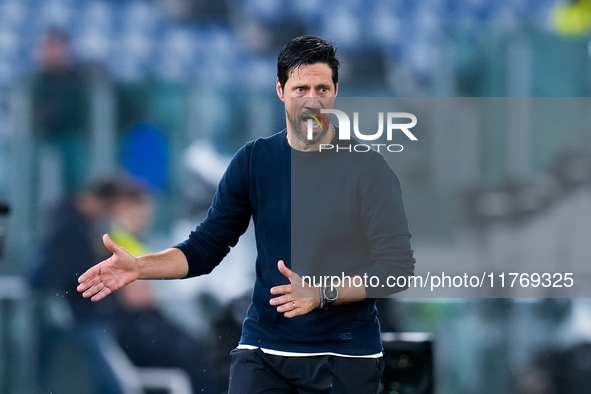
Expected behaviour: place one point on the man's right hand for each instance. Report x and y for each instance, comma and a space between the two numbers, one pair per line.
109, 275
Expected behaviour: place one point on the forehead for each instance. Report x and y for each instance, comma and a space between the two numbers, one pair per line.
317, 72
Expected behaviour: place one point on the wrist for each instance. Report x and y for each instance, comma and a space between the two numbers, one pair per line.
328, 296
320, 298
319, 303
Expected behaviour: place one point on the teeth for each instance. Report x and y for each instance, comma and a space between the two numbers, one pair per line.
314, 124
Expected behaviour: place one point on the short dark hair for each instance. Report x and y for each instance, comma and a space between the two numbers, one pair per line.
111, 188
106, 188
306, 50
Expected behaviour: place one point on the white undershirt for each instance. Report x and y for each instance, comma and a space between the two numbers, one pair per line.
295, 354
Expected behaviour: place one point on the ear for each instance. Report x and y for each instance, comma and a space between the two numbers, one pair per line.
336, 89
279, 90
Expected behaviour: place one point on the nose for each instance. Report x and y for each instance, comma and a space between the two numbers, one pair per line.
312, 100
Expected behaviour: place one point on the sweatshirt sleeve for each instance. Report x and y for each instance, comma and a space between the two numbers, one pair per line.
385, 225
227, 218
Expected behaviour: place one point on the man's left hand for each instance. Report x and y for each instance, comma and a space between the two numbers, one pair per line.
286, 304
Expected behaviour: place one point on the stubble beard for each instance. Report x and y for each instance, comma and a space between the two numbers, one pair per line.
296, 130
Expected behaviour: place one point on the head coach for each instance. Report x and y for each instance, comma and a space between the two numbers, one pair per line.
329, 340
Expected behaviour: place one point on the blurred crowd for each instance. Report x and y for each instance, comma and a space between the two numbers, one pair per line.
128, 329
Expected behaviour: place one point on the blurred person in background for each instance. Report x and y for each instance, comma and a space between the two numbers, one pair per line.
573, 18
148, 337
68, 249
60, 111
328, 339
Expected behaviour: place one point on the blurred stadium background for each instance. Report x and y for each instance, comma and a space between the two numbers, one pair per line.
173, 87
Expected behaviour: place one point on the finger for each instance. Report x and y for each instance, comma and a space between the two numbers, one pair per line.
287, 307
82, 287
284, 270
112, 246
92, 272
297, 311
301, 307
95, 289
281, 300
101, 294
283, 289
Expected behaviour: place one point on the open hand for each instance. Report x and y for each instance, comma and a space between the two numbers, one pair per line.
110, 274
286, 304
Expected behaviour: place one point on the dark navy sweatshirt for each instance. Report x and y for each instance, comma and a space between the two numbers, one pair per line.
329, 212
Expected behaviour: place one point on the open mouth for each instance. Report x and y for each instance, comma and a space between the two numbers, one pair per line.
306, 119
313, 116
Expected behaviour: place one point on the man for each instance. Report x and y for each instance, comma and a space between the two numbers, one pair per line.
148, 338
323, 342
60, 96
70, 247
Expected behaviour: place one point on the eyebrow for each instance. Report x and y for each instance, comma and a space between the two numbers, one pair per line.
307, 85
